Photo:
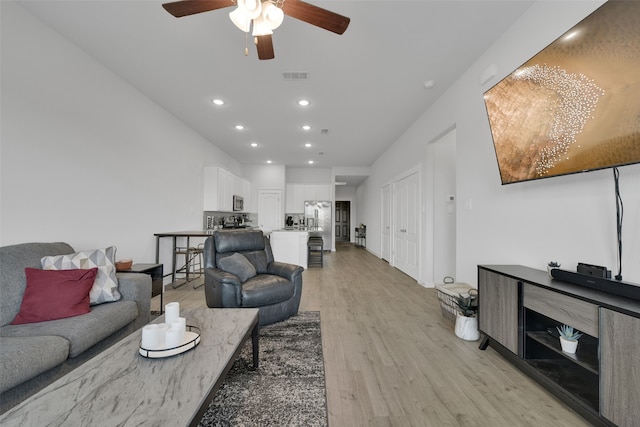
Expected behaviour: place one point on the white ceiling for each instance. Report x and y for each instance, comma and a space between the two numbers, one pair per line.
365, 86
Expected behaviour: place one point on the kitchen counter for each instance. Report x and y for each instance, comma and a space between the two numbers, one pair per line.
290, 245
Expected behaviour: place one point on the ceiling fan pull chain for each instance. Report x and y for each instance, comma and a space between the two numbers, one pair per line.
246, 44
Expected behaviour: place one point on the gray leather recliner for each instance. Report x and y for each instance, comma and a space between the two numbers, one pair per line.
275, 290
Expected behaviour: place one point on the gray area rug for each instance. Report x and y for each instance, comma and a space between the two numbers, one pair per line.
288, 389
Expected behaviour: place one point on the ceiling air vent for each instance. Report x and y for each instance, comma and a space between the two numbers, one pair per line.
295, 75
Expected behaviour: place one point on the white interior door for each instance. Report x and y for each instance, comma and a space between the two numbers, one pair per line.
386, 222
406, 225
412, 234
270, 209
399, 202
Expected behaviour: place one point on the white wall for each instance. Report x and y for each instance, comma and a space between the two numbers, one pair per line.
442, 184
318, 176
264, 177
86, 158
570, 219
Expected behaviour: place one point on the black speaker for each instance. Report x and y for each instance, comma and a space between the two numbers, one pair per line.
594, 270
625, 289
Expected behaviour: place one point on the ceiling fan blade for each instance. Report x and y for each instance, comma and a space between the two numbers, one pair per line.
265, 47
315, 15
191, 7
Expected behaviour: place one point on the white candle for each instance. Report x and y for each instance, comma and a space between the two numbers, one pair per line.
173, 338
162, 329
151, 337
171, 312
181, 324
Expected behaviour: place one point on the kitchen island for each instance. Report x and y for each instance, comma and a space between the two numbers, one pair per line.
290, 245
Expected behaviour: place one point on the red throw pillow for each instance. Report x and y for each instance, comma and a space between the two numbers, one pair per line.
55, 294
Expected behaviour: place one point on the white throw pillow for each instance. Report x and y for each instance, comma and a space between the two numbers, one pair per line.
105, 287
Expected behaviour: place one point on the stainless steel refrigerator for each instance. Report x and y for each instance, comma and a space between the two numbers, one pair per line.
317, 214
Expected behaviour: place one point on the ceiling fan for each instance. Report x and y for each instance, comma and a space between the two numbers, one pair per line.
263, 16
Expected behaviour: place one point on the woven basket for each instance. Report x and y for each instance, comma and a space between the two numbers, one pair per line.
448, 292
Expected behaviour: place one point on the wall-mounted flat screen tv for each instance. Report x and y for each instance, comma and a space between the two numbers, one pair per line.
575, 106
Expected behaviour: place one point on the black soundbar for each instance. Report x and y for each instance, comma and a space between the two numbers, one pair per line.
624, 289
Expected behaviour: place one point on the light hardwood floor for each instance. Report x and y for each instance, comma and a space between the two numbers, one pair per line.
391, 359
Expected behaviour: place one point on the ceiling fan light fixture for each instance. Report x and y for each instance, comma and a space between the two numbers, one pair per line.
262, 16
240, 20
272, 15
260, 27
251, 8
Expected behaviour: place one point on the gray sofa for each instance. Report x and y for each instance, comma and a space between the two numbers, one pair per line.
275, 289
36, 354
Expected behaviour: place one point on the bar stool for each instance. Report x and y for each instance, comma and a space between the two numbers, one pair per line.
314, 251
192, 263
197, 262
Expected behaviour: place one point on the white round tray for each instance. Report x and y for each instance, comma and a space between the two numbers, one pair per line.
191, 339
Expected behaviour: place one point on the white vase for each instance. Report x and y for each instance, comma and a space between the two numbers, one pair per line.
467, 328
568, 346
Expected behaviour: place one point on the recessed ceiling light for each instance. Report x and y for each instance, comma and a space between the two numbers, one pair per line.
254, 144
269, 161
306, 127
308, 144
303, 102
239, 127
310, 162
218, 101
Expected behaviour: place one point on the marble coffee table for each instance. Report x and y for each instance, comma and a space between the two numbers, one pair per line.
119, 387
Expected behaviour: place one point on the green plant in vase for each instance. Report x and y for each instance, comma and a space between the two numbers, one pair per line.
551, 266
568, 338
467, 319
468, 305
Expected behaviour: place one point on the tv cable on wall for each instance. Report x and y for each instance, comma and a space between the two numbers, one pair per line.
619, 215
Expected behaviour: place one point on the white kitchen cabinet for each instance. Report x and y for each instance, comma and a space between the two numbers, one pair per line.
214, 181
289, 203
237, 185
220, 186
310, 192
225, 189
297, 194
246, 193
294, 198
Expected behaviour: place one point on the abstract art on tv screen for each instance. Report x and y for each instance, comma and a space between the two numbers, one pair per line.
574, 106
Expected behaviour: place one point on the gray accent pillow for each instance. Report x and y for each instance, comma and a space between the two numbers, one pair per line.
105, 287
238, 265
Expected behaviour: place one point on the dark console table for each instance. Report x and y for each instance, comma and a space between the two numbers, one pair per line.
156, 273
519, 309
361, 237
